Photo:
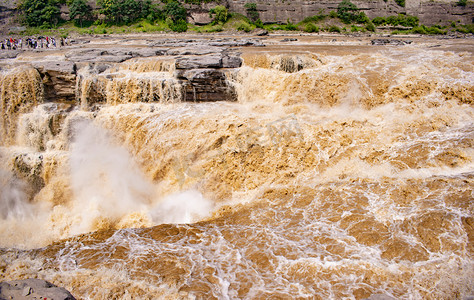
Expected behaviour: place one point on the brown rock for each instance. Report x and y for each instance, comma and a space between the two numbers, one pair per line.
59, 79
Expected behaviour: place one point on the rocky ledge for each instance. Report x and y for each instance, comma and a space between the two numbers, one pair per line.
33, 289
82, 72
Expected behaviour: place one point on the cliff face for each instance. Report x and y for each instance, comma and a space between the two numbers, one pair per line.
429, 12
7, 14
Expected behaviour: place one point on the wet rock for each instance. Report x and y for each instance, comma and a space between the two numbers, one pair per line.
289, 40
29, 167
383, 42
231, 61
199, 62
260, 32
171, 43
59, 79
65, 67
98, 55
236, 43
199, 17
33, 289
9, 54
206, 85
195, 50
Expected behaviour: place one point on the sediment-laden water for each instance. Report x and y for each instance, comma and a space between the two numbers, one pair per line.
334, 175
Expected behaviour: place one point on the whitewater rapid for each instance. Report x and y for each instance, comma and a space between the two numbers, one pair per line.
333, 176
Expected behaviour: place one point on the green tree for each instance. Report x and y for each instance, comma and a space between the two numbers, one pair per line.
252, 12
400, 2
124, 11
370, 26
40, 12
175, 11
347, 11
109, 9
79, 11
175, 15
179, 26
219, 14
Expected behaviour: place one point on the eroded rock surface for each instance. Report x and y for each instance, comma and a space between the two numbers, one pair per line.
33, 289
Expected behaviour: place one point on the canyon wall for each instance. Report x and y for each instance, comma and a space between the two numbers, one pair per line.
429, 12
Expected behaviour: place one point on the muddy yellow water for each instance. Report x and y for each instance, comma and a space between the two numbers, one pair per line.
334, 176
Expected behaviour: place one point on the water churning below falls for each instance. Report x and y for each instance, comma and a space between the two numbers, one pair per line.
334, 175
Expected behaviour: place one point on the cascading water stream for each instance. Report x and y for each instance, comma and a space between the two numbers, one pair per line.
332, 176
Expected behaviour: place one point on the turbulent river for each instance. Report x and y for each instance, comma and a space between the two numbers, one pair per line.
340, 172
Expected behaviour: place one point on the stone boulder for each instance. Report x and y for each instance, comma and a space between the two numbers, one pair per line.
200, 17
33, 289
195, 50
206, 85
231, 61
59, 79
199, 62
9, 54
260, 32
98, 55
393, 42
29, 168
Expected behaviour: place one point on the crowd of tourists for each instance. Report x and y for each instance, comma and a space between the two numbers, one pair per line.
32, 43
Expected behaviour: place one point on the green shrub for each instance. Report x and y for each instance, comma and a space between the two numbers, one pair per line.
461, 3
315, 18
362, 18
243, 26
334, 28
219, 14
310, 27
333, 14
400, 2
290, 26
259, 23
400, 19
214, 28
434, 30
379, 21
347, 11
370, 27
252, 12
427, 30
466, 28
179, 26
100, 30
419, 29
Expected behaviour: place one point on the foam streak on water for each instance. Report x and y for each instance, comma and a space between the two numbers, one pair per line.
333, 177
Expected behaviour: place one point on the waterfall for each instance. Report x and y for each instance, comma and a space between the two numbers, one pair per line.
333, 175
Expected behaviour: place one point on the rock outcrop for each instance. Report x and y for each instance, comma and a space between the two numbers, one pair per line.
429, 12
33, 289
59, 79
393, 42
162, 71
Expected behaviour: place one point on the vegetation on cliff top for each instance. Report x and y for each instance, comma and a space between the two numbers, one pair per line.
170, 15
